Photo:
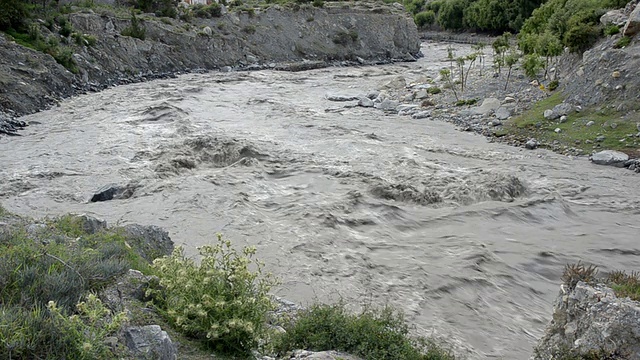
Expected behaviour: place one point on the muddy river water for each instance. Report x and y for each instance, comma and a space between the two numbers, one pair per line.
468, 237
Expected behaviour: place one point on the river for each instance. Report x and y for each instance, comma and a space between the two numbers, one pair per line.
467, 237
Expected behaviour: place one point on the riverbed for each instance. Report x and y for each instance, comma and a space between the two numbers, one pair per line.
467, 237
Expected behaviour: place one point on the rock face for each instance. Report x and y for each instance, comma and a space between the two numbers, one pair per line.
150, 241
150, 342
614, 17
31, 80
610, 157
632, 26
591, 319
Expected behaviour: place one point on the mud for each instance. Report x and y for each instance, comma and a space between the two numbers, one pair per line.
468, 237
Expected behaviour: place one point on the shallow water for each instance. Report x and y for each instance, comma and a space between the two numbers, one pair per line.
467, 237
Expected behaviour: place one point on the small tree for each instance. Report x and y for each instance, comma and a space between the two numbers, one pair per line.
479, 49
549, 47
531, 65
446, 76
500, 47
510, 61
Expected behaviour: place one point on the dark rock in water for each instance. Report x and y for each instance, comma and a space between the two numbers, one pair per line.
9, 126
113, 192
531, 144
150, 342
150, 242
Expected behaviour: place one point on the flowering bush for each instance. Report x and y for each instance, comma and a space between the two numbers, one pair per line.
221, 300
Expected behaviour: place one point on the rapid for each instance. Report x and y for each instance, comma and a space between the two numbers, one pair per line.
468, 237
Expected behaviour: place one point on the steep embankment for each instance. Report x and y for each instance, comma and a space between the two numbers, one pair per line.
273, 37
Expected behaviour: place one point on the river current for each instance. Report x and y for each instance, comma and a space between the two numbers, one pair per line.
467, 237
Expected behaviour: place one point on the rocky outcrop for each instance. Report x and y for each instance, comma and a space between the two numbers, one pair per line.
275, 37
610, 157
632, 26
591, 320
150, 342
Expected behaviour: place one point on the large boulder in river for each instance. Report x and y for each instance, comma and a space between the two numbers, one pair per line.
633, 23
590, 320
610, 157
114, 192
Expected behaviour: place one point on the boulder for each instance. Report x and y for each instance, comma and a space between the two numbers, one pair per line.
150, 242
90, 224
488, 106
610, 157
531, 144
590, 319
342, 98
614, 17
365, 102
150, 342
632, 26
503, 113
114, 192
387, 105
421, 115
125, 292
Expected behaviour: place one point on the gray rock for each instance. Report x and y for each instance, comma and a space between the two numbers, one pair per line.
421, 115
563, 119
600, 138
404, 108
591, 318
557, 130
150, 342
321, 355
590, 123
632, 26
125, 292
252, 59
114, 192
373, 94
342, 98
503, 113
399, 82
422, 94
150, 242
90, 224
207, 31
531, 144
387, 105
610, 157
488, 106
365, 102
494, 123
614, 17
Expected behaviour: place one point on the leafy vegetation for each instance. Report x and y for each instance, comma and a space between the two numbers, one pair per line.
373, 334
220, 301
135, 29
48, 274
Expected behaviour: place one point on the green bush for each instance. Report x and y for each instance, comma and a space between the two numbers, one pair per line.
318, 3
611, 30
65, 27
373, 334
14, 14
625, 285
345, 37
207, 11
581, 36
135, 30
623, 42
220, 301
425, 18
434, 90
553, 85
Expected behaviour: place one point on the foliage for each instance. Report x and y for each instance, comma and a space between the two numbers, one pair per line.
345, 37
446, 77
553, 85
220, 301
434, 90
532, 65
623, 42
50, 333
611, 30
574, 273
451, 14
14, 14
207, 11
166, 8
135, 29
425, 18
625, 285
372, 334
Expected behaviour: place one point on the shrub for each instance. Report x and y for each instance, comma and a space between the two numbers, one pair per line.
553, 85
249, 29
219, 301
466, 102
372, 334
574, 273
65, 27
611, 30
207, 11
135, 29
425, 18
623, 42
345, 37
14, 14
625, 285
434, 90
318, 3
581, 36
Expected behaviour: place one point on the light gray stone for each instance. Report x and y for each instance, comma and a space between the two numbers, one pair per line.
341, 98
549, 114
150, 342
503, 113
531, 144
614, 17
421, 115
387, 105
488, 106
365, 102
610, 157
632, 26
207, 31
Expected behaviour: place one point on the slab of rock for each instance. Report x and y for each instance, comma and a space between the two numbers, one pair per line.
321, 355
387, 105
488, 106
114, 192
531, 144
150, 342
421, 115
632, 26
614, 17
342, 98
610, 157
365, 102
503, 113
150, 242
591, 319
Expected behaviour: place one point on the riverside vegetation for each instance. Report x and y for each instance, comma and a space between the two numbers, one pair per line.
52, 273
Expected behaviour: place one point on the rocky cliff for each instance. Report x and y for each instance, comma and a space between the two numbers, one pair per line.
291, 38
590, 322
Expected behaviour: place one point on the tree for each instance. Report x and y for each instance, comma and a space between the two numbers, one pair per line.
13, 14
510, 61
451, 14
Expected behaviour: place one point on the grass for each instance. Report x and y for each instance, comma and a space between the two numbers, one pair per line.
581, 130
373, 334
624, 285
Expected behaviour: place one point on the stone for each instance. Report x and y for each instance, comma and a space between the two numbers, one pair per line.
557, 130
251, 59
563, 119
494, 123
150, 241
90, 224
150, 342
488, 106
531, 144
614, 17
509, 100
342, 98
207, 31
387, 105
422, 94
590, 123
615, 74
114, 192
365, 102
399, 82
600, 138
610, 157
403, 108
126, 291
549, 114
632, 26
109, 28
590, 318
321, 355
503, 113
421, 115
